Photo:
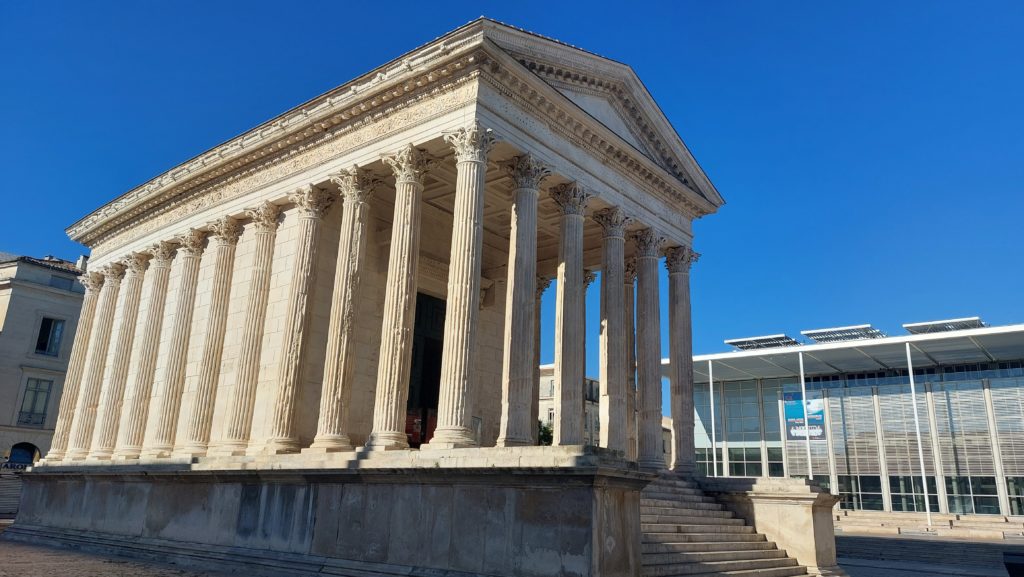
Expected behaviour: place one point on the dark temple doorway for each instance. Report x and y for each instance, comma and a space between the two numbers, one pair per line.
425, 375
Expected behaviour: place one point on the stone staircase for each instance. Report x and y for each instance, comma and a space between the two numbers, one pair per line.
687, 533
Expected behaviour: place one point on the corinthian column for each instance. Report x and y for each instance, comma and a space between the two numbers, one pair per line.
542, 285
519, 364
613, 374
136, 405
648, 347
117, 370
629, 278
191, 250
76, 366
356, 186
95, 364
569, 333
311, 204
225, 233
678, 261
409, 165
238, 424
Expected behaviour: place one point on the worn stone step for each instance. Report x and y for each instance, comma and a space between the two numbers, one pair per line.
776, 572
710, 556
669, 500
656, 548
646, 520
677, 516
661, 493
715, 567
688, 511
674, 481
706, 537
694, 505
695, 528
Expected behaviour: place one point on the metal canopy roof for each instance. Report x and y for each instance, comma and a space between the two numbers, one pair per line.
944, 326
851, 333
952, 347
765, 342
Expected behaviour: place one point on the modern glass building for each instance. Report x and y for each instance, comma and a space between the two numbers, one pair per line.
889, 422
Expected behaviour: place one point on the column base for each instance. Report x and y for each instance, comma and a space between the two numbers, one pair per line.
127, 454
330, 444
192, 451
228, 449
387, 441
454, 438
161, 452
651, 464
280, 447
76, 455
105, 455
515, 442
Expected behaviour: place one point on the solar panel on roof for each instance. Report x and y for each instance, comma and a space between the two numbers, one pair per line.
841, 334
944, 326
766, 342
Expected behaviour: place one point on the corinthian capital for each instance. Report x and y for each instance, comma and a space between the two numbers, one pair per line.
613, 221
526, 171
648, 243
410, 164
356, 184
191, 242
471, 143
136, 263
264, 216
589, 277
113, 273
543, 283
226, 230
92, 281
680, 258
163, 253
570, 197
311, 201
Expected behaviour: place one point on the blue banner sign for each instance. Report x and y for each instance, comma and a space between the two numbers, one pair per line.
793, 408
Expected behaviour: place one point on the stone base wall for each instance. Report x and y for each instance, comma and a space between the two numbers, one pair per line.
572, 521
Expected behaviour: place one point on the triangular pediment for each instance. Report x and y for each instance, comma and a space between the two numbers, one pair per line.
603, 109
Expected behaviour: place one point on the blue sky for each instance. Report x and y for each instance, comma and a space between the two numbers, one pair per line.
871, 154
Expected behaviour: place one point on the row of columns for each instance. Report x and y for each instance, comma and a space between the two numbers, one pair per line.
128, 409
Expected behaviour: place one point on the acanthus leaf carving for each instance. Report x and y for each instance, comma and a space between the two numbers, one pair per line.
311, 201
571, 198
648, 243
471, 143
265, 216
410, 164
356, 184
613, 220
679, 259
226, 230
527, 171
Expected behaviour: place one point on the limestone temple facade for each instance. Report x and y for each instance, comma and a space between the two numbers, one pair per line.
322, 336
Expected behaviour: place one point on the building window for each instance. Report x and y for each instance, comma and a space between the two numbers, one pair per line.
972, 495
776, 466
33, 406
551, 416
907, 493
861, 492
1015, 488
50, 333
744, 462
704, 461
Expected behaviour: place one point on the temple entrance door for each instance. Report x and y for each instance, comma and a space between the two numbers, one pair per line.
425, 375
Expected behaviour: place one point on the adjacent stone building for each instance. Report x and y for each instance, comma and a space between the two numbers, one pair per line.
40, 299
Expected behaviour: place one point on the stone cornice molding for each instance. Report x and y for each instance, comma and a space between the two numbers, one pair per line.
163, 253
311, 201
648, 243
191, 242
410, 164
225, 230
471, 143
92, 281
527, 172
679, 259
356, 184
571, 198
613, 220
630, 271
265, 216
136, 263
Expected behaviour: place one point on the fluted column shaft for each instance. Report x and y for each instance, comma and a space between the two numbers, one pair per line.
224, 233
519, 364
95, 364
238, 423
311, 205
356, 186
76, 367
569, 333
166, 415
678, 261
613, 374
109, 415
458, 355
409, 166
631, 393
542, 285
135, 410
648, 349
